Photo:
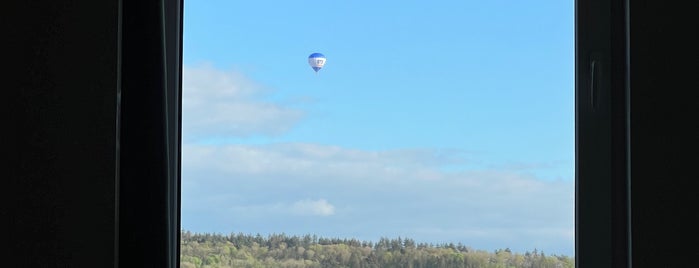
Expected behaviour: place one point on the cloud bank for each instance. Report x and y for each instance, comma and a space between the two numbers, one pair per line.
284, 187
217, 103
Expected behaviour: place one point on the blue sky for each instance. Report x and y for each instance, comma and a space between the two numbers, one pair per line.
443, 121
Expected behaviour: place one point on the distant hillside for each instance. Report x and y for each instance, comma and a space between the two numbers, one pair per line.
200, 250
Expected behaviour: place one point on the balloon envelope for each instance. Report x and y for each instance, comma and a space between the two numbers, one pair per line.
316, 60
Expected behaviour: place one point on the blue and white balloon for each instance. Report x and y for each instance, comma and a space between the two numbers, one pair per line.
316, 60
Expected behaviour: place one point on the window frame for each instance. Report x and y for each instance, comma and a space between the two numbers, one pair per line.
147, 227
149, 126
602, 134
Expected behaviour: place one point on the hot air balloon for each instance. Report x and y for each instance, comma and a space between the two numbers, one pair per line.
316, 60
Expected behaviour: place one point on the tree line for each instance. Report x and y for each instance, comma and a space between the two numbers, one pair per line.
204, 250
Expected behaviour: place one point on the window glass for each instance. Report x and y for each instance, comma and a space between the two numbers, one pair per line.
441, 123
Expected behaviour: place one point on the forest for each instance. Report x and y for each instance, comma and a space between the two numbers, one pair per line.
204, 250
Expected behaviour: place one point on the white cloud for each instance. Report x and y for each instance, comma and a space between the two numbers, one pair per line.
312, 161
319, 207
304, 207
219, 103
392, 192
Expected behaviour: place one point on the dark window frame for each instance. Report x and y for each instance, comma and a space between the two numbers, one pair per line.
602, 148
150, 117
89, 183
